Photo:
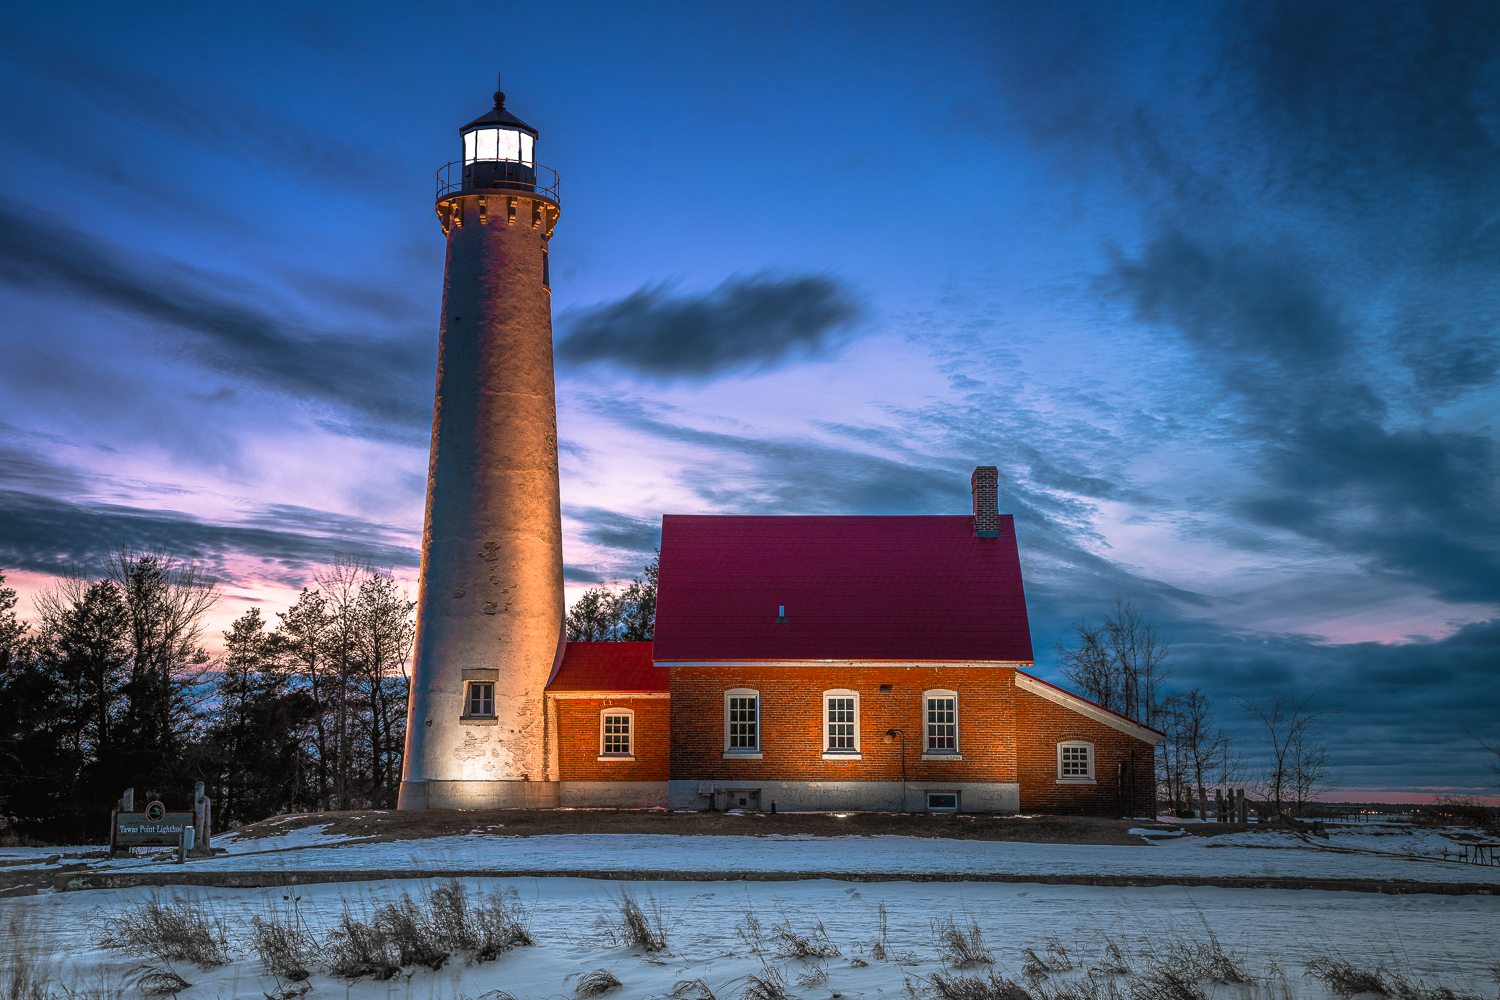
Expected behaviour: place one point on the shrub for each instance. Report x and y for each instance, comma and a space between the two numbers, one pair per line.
179, 930
961, 947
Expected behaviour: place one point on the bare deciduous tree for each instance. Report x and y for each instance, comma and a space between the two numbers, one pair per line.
1298, 768
1119, 663
1087, 665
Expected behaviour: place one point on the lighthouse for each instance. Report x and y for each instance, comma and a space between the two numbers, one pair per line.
490, 605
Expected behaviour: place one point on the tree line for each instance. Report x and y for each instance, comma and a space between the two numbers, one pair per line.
1120, 663
112, 686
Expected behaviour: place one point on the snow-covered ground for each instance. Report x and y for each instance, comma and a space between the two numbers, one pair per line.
1446, 939
1356, 854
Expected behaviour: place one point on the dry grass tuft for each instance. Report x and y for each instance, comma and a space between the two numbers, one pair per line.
751, 932
879, 948
636, 926
988, 987
21, 976
961, 947
356, 948
408, 935
285, 948
813, 978
770, 984
1346, 980
814, 944
411, 933
157, 981
1053, 958
177, 930
691, 989
596, 983
1114, 962
290, 991
1207, 960
1078, 989
1164, 982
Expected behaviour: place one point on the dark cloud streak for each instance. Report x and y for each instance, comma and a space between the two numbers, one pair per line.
745, 324
375, 385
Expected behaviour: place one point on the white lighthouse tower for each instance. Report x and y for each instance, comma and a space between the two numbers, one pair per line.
490, 612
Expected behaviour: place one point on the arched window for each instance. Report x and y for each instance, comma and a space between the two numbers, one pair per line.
616, 733
1075, 762
841, 722
939, 722
741, 722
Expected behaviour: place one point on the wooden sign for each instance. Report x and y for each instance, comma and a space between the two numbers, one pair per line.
153, 827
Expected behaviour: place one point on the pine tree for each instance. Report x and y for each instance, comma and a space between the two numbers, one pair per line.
626, 615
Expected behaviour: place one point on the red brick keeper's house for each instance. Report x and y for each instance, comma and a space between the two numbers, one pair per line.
839, 663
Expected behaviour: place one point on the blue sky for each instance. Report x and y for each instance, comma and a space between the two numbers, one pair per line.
1213, 285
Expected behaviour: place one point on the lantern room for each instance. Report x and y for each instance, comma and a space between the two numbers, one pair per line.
499, 151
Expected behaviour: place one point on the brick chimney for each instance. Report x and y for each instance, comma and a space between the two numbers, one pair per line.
985, 484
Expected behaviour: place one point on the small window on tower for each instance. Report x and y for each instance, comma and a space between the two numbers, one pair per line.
481, 700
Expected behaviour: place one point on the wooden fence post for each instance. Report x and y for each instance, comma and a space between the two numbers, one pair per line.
1239, 797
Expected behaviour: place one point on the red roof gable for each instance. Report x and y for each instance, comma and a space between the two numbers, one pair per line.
854, 588
608, 666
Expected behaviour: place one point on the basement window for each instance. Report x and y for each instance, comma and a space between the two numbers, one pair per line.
942, 802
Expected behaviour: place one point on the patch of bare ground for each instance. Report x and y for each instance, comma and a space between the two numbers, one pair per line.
382, 825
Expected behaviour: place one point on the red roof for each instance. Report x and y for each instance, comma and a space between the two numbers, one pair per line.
608, 666
854, 588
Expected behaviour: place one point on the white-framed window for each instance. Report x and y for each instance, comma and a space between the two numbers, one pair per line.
741, 721
1075, 761
942, 802
616, 732
940, 722
841, 721
479, 702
